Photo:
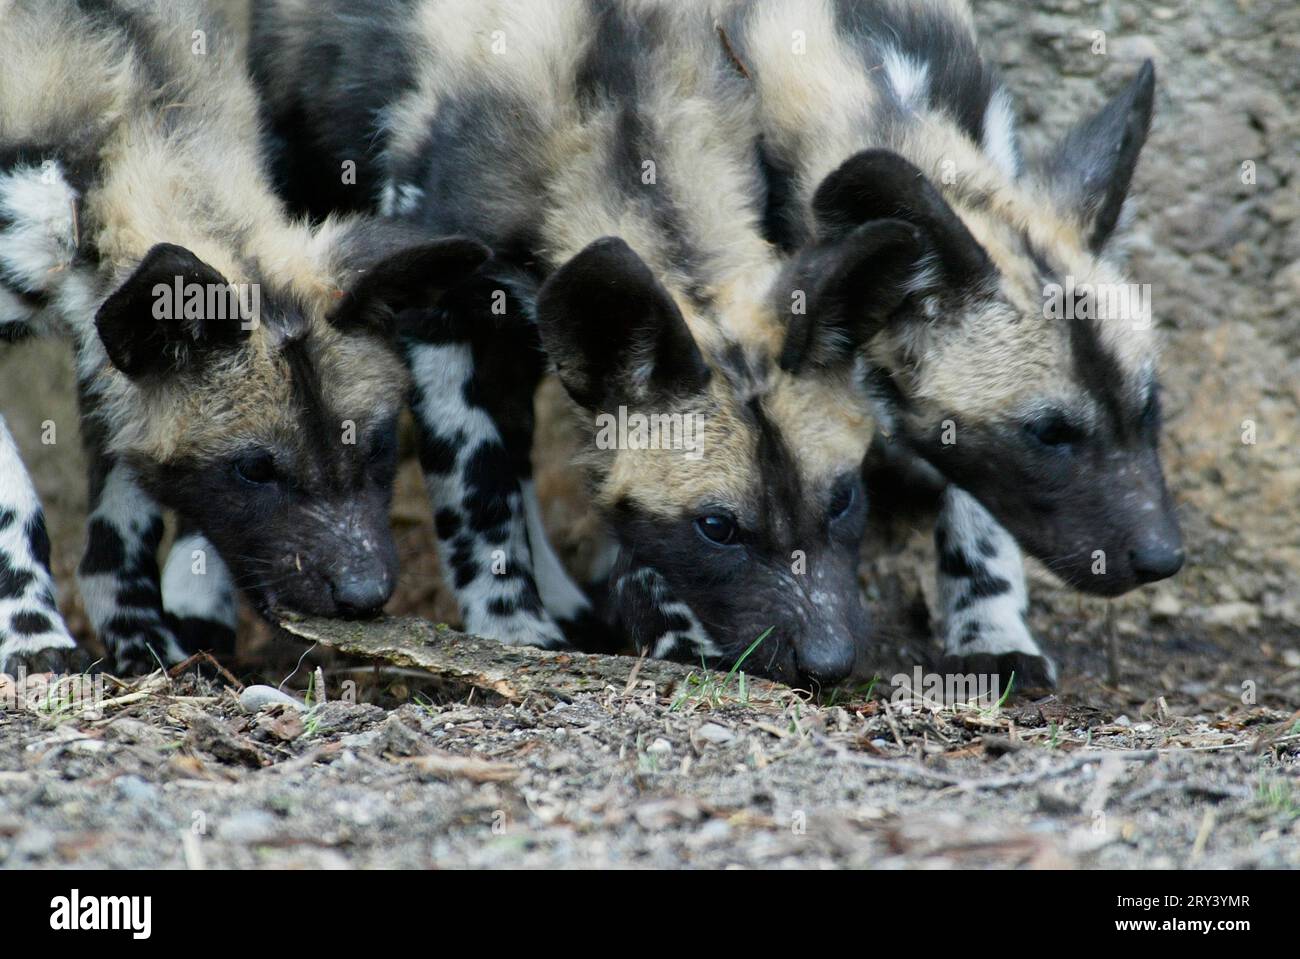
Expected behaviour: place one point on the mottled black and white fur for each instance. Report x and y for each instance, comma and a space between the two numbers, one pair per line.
592, 146
872, 112
130, 161
896, 191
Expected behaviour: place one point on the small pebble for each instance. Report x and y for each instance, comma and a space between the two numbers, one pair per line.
254, 698
34, 842
135, 789
713, 733
1237, 615
1166, 606
248, 827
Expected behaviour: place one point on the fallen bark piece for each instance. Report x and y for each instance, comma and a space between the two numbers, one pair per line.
513, 672
450, 766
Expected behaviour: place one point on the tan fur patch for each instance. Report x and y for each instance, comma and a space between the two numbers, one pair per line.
702, 159
180, 164
823, 422
246, 400
815, 98
992, 358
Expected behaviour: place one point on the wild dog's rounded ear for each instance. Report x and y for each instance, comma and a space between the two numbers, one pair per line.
1091, 169
410, 278
613, 332
170, 313
880, 184
838, 293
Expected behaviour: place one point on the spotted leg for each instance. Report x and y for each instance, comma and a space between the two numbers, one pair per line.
199, 596
118, 574
475, 371
32, 632
983, 597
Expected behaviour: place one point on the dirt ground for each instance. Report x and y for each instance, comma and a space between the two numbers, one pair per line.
1179, 748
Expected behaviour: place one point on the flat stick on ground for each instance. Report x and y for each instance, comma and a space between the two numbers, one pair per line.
511, 672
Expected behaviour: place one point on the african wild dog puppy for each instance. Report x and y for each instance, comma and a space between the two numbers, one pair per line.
880, 118
133, 207
598, 149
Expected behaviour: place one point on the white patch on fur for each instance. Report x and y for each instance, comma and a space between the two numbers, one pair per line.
400, 199
560, 594
440, 373
13, 310
14, 647
1001, 618
909, 77
18, 496
40, 241
16, 490
76, 303
928, 275
207, 595
1000, 133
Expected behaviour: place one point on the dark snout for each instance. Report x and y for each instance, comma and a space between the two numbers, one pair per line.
1157, 555
1127, 537
828, 628
812, 640
1143, 543
826, 660
1136, 560
365, 573
344, 567
361, 592
1100, 518
804, 626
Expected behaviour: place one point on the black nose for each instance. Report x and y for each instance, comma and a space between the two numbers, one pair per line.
1155, 561
826, 663
358, 596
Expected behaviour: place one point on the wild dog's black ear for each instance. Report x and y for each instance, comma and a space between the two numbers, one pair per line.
158, 320
880, 184
613, 332
411, 278
846, 287
1091, 168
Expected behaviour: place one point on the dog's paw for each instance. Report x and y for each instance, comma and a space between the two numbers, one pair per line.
1021, 672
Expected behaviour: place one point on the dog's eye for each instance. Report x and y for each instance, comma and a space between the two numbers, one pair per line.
843, 497
717, 528
1054, 430
257, 469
